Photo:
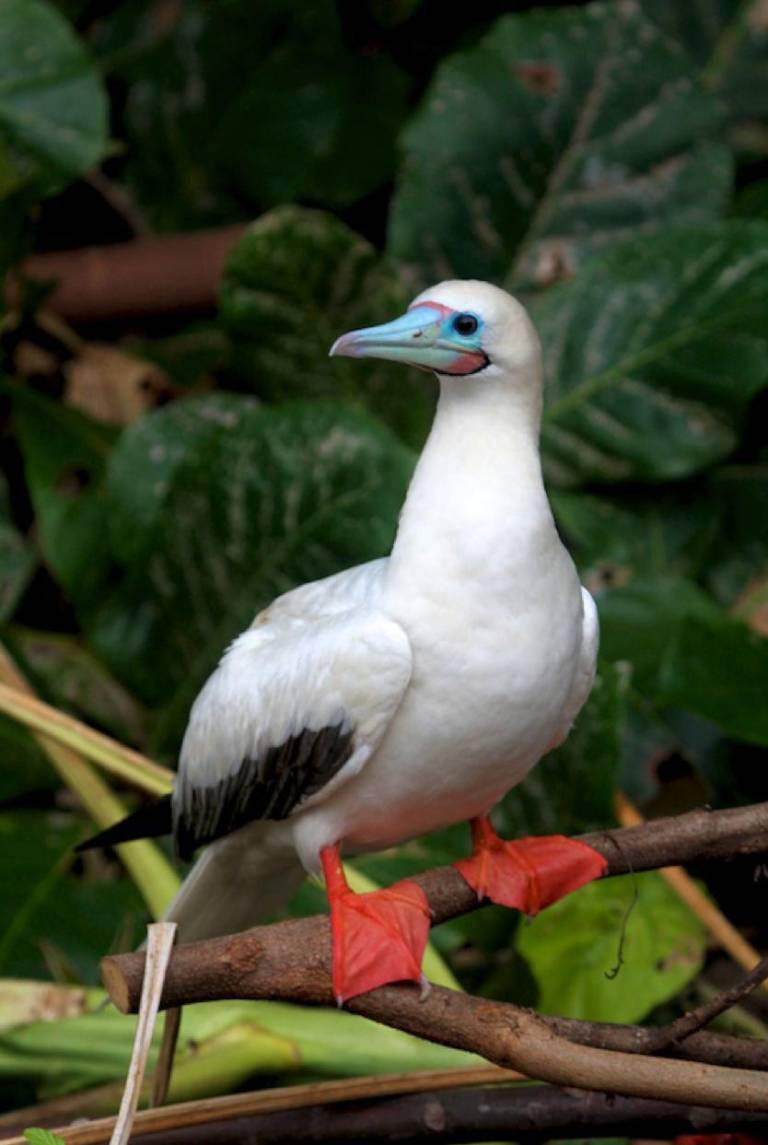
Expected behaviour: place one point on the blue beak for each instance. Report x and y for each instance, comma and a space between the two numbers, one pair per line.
421, 337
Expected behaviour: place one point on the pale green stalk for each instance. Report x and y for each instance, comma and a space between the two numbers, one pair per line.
148, 867
95, 746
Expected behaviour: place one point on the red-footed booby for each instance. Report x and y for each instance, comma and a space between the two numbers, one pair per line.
405, 694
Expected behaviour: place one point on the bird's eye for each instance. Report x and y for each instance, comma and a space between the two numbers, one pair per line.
465, 324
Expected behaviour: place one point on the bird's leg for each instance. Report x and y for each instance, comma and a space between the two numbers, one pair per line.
527, 874
378, 937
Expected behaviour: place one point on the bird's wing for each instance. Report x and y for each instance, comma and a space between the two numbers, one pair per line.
584, 677
360, 585
298, 703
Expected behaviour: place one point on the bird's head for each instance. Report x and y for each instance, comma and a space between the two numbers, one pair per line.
457, 329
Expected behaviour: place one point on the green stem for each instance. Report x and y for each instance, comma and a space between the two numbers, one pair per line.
146, 864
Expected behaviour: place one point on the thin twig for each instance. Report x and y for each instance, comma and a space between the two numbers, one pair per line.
717, 1049
689, 1023
164, 1067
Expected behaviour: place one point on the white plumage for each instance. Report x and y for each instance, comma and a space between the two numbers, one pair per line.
453, 665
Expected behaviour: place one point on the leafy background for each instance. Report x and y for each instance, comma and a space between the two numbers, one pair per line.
162, 479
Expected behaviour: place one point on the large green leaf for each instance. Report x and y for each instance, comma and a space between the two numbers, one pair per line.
221, 1045
739, 555
69, 676
64, 456
562, 131
573, 948
752, 202
49, 915
729, 41
234, 107
294, 283
53, 110
320, 117
217, 505
707, 529
26, 766
653, 354
687, 653
614, 538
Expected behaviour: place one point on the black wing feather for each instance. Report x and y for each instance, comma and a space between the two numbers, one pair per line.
270, 787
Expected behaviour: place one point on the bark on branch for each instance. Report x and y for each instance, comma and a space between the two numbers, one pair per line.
534, 1114
290, 961
502, 1113
161, 275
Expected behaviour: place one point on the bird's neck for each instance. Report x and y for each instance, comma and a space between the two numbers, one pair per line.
477, 493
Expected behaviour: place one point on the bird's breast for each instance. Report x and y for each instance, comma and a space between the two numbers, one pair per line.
491, 676
494, 673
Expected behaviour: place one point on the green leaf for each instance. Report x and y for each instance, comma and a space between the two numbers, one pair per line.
217, 505
294, 283
562, 131
572, 948
752, 202
70, 677
687, 653
221, 1045
739, 555
729, 41
329, 135
29, 769
53, 109
46, 912
43, 1137
233, 108
17, 560
64, 457
190, 357
616, 538
653, 353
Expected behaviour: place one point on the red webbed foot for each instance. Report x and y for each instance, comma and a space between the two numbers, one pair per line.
378, 937
527, 874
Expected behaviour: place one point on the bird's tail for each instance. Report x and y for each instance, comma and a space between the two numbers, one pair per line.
237, 882
149, 822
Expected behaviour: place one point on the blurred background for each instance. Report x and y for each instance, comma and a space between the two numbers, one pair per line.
196, 198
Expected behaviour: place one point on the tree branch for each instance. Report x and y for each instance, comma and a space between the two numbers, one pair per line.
697, 835
717, 1049
159, 275
290, 961
530, 1114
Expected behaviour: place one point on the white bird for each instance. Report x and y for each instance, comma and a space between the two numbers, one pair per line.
404, 694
